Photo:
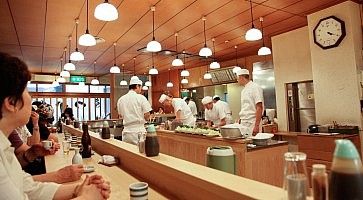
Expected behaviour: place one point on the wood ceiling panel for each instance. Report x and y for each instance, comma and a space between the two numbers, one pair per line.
307, 6
280, 3
7, 30
11, 49
32, 56
29, 21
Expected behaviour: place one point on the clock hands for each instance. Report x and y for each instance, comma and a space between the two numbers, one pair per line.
330, 33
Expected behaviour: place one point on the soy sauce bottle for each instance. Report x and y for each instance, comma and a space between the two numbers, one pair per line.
151, 142
86, 141
346, 181
105, 133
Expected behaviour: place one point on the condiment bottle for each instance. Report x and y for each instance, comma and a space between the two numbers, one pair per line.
77, 158
86, 141
319, 179
151, 142
105, 133
346, 181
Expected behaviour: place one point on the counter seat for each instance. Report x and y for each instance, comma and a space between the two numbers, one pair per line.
179, 179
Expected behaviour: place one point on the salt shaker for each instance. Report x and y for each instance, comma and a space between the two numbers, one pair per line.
141, 142
319, 181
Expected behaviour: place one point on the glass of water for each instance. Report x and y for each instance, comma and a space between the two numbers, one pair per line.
66, 146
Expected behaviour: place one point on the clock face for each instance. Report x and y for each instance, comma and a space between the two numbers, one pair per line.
329, 32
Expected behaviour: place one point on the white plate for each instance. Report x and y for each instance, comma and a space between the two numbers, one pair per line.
88, 168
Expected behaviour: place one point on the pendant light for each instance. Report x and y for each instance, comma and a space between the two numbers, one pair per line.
106, 12
214, 64
207, 75
264, 50
77, 55
236, 67
169, 84
87, 39
123, 82
55, 82
69, 66
94, 81
205, 51
145, 87
177, 62
253, 34
153, 70
148, 82
184, 81
114, 69
64, 73
60, 79
184, 72
153, 45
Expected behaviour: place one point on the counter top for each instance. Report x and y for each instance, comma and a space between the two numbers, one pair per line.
269, 144
180, 179
119, 179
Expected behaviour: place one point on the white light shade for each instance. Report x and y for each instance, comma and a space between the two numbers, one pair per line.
153, 71
61, 80
65, 74
153, 46
87, 40
205, 51
148, 83
123, 82
77, 56
55, 83
184, 81
177, 62
207, 76
145, 87
95, 81
115, 70
184, 73
106, 12
263, 51
169, 84
235, 69
69, 66
253, 34
81, 84
134, 77
214, 65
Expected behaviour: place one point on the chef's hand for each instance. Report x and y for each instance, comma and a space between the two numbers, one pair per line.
255, 130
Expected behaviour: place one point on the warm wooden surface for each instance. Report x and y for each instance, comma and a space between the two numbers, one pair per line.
180, 179
266, 165
119, 179
193, 148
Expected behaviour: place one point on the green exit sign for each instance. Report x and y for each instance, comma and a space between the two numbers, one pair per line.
77, 79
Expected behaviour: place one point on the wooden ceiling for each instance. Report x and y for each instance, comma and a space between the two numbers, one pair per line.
38, 31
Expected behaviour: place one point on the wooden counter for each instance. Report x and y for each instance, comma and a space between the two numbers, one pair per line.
264, 164
180, 179
119, 179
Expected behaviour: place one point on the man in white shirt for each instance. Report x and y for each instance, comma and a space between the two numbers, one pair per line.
192, 106
251, 103
215, 113
134, 109
217, 100
181, 109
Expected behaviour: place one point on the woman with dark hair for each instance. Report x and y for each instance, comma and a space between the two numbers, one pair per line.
15, 109
68, 113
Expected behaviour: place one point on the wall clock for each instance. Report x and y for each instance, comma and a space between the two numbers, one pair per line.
329, 32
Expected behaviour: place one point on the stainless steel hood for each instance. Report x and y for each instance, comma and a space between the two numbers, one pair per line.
224, 75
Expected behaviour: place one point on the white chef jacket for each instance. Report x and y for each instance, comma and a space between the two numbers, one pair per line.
228, 111
14, 182
251, 94
132, 107
186, 115
193, 107
217, 113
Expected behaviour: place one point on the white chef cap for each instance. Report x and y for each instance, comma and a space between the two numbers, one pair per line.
135, 81
207, 99
162, 98
242, 72
215, 96
185, 98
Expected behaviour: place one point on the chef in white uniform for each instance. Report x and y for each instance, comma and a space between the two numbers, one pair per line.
215, 113
181, 109
192, 105
217, 100
251, 103
134, 109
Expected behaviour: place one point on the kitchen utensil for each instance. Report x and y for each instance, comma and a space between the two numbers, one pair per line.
221, 158
230, 132
313, 128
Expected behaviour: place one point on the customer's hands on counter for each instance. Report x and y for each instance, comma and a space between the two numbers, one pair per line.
93, 187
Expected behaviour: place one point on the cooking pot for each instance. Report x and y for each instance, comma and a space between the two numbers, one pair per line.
313, 128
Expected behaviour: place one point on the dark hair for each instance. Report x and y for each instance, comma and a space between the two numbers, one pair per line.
216, 98
14, 76
187, 99
133, 86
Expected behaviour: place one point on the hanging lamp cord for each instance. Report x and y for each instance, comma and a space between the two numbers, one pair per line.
114, 54
94, 69
236, 55
263, 38
253, 26
152, 58
134, 66
205, 37
176, 44
69, 49
153, 24
184, 60
76, 36
87, 31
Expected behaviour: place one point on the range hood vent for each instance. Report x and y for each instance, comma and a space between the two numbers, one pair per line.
225, 75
